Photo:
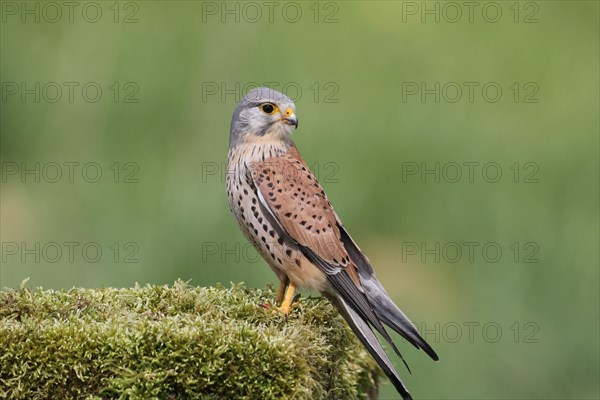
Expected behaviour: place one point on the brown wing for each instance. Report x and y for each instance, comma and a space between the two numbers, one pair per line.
290, 193
299, 204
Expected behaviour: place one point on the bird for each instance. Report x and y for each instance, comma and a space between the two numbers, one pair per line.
284, 212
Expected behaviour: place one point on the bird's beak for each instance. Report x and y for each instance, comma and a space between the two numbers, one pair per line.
289, 118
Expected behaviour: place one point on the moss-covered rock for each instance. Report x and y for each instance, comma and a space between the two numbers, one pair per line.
176, 342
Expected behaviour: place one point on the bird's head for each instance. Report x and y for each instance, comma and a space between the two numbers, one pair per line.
263, 114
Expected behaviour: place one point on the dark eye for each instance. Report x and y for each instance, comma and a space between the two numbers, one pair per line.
268, 108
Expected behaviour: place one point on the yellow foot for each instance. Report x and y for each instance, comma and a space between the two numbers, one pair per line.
283, 309
276, 309
286, 304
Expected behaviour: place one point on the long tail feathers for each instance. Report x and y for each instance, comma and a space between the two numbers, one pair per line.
391, 315
384, 307
371, 343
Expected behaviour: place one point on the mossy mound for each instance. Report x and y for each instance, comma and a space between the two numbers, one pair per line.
178, 342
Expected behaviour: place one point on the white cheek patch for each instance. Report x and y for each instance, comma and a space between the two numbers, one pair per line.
279, 131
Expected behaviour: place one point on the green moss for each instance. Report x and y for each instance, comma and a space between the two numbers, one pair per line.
174, 343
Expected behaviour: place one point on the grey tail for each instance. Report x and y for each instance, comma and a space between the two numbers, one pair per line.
380, 301
362, 330
393, 317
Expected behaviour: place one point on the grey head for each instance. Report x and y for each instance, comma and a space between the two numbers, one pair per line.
263, 114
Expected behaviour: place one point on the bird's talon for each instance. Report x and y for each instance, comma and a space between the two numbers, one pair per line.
282, 309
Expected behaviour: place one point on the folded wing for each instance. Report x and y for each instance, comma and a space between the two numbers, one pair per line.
298, 207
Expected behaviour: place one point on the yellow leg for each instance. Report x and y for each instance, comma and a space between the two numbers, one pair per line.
287, 299
281, 291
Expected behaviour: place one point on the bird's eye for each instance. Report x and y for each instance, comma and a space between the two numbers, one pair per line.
268, 108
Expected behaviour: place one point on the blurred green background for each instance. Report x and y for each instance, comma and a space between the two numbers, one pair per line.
523, 324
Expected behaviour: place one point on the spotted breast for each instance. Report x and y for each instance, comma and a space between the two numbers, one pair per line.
256, 164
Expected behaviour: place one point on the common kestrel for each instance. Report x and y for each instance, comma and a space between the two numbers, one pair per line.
282, 209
